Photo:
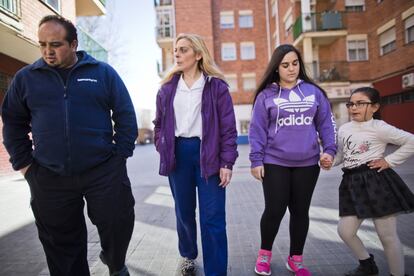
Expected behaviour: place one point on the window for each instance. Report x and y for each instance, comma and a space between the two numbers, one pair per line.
273, 8
246, 19
409, 29
357, 50
9, 5
354, 5
55, 4
232, 82
249, 81
247, 51
228, 51
387, 41
244, 126
164, 23
226, 20
5, 81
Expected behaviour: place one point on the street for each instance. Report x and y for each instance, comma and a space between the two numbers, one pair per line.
153, 248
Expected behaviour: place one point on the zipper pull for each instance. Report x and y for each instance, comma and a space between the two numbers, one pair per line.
65, 95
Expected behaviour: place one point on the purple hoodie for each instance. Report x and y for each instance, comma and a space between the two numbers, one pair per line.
219, 134
303, 115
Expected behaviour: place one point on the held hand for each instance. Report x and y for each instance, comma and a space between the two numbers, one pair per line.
258, 172
24, 170
225, 177
326, 161
379, 164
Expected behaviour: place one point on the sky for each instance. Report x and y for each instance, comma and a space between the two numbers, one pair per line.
136, 62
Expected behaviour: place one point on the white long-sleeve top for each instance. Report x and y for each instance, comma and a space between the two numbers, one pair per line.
187, 108
361, 142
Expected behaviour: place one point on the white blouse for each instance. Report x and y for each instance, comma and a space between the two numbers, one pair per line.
361, 142
187, 108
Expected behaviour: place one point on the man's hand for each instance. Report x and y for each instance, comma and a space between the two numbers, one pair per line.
326, 161
258, 172
24, 170
225, 177
380, 164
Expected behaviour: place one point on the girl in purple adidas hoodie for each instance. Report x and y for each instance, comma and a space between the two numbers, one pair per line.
291, 114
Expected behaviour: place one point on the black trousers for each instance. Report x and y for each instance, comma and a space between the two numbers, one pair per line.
58, 206
287, 187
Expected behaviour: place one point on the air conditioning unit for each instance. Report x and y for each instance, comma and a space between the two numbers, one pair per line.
407, 80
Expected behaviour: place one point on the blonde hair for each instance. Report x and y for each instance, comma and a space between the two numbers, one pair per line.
206, 64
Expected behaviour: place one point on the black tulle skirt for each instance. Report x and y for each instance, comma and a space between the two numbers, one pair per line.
366, 193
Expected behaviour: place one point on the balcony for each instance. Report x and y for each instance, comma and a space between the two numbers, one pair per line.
88, 44
323, 72
158, 3
164, 30
90, 7
331, 21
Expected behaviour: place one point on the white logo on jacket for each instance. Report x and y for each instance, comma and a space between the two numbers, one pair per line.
86, 79
294, 104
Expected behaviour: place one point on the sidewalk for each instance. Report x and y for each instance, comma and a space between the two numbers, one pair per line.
153, 248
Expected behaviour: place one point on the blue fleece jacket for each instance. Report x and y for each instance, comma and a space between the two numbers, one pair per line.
287, 123
70, 122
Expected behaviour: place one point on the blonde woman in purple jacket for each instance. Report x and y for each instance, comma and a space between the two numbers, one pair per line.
290, 114
195, 135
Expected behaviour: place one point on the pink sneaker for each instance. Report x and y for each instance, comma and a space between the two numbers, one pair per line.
263, 262
295, 264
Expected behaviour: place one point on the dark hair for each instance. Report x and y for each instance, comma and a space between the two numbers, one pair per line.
271, 74
373, 96
71, 33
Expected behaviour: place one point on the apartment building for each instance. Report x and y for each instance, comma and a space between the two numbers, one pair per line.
18, 38
341, 49
352, 43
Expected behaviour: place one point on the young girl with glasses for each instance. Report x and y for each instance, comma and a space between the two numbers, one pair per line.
369, 187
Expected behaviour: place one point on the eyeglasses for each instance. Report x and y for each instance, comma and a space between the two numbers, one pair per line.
357, 104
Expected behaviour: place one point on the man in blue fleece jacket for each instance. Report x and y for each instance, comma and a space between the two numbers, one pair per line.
68, 100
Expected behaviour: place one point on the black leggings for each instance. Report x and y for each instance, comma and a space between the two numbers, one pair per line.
290, 187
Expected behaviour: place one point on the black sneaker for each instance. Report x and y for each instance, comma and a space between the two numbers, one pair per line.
188, 267
366, 267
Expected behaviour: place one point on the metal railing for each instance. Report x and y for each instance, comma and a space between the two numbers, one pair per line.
325, 21
88, 44
9, 5
328, 71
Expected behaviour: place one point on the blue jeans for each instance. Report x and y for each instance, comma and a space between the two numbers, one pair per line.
183, 182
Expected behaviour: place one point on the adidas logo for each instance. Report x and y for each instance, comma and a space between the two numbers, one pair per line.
293, 120
295, 104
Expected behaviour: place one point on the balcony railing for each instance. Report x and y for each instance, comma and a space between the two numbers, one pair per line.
325, 21
166, 31
87, 43
158, 3
9, 5
328, 71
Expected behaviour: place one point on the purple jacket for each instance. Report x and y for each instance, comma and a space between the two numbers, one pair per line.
286, 125
219, 134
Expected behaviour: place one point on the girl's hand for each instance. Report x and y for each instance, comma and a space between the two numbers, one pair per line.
326, 161
380, 164
258, 172
225, 177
